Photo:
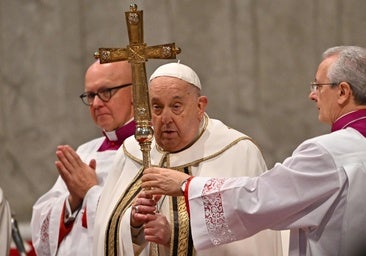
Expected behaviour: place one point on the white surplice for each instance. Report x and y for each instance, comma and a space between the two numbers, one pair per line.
318, 193
220, 152
47, 211
5, 225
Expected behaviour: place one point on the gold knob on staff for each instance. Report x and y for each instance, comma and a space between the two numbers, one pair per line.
96, 55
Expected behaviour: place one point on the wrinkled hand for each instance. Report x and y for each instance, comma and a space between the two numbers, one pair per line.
162, 181
142, 207
77, 175
157, 229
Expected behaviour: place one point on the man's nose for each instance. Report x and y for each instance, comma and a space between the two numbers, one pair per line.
97, 101
313, 96
166, 116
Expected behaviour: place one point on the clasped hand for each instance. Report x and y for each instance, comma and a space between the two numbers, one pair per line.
78, 176
145, 214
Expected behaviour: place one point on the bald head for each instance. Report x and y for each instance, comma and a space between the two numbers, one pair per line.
110, 77
116, 71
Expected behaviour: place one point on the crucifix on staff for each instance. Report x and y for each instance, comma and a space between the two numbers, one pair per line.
137, 53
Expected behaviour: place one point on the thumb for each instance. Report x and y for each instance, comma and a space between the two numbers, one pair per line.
157, 198
93, 164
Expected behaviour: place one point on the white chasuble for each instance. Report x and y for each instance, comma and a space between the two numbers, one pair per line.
219, 151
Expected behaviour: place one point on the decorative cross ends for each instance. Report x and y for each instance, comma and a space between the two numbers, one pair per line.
137, 53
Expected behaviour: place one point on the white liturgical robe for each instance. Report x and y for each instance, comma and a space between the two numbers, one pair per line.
47, 211
219, 151
318, 193
52, 232
5, 225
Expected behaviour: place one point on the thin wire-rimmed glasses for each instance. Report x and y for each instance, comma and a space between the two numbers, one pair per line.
104, 94
314, 86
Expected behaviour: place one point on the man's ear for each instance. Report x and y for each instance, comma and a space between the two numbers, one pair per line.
344, 92
202, 103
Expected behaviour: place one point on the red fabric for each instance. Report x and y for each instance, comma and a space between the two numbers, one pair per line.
84, 220
186, 193
28, 247
64, 228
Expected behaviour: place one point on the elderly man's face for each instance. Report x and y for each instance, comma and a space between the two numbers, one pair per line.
177, 111
326, 96
119, 109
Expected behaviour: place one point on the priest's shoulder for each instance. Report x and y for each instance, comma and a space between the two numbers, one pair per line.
131, 146
338, 142
95, 143
215, 124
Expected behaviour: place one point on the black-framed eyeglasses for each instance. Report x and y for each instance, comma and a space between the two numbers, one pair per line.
314, 86
104, 94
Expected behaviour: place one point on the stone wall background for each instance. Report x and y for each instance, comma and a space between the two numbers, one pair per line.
255, 59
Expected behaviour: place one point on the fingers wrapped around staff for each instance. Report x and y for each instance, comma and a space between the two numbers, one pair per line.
143, 204
142, 209
136, 208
